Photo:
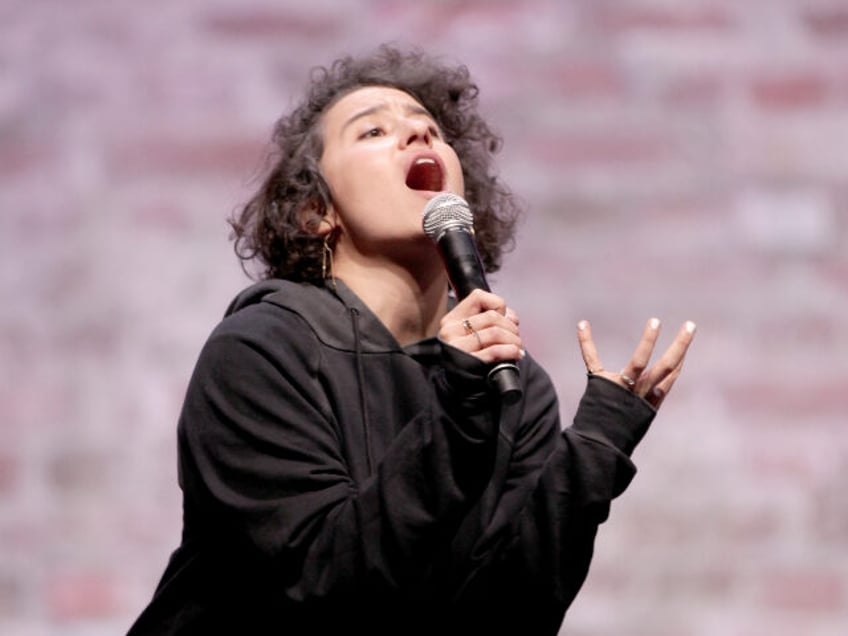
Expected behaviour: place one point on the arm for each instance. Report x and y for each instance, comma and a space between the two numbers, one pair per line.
559, 484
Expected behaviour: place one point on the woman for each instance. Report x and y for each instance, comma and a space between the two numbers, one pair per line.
344, 463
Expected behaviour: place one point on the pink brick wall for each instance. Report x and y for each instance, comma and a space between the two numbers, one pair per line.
679, 159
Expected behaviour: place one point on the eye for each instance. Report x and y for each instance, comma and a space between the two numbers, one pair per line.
372, 132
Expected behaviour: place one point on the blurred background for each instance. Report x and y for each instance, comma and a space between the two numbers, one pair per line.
685, 160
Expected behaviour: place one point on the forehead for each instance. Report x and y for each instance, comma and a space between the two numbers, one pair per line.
364, 98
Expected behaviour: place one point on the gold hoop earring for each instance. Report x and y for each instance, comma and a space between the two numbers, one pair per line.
327, 259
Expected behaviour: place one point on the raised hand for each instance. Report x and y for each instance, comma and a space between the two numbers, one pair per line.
651, 383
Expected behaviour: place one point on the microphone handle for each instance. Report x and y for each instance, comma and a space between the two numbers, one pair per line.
462, 262
465, 272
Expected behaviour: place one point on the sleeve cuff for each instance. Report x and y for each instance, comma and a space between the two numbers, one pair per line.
613, 414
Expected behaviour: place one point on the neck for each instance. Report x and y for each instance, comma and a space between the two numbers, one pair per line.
409, 304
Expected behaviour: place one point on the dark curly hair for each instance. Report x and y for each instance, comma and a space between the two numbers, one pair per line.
270, 227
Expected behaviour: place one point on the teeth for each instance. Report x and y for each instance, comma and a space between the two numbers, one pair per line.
423, 160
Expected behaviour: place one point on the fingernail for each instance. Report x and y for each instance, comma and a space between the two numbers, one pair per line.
690, 326
522, 353
581, 325
657, 392
655, 323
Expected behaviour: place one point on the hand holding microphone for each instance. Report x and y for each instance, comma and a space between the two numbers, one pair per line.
448, 221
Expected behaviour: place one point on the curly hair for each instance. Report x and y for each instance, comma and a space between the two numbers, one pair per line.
270, 228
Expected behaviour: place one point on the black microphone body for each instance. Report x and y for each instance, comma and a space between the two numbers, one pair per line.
462, 262
449, 223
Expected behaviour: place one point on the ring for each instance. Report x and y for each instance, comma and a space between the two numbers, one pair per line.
594, 371
630, 382
471, 330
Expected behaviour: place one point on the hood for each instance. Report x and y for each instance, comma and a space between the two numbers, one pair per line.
328, 310
254, 294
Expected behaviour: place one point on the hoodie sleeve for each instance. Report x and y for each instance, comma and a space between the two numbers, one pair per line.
263, 458
536, 544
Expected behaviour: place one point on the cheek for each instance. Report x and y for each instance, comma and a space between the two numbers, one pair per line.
456, 176
451, 161
335, 176
350, 166
351, 184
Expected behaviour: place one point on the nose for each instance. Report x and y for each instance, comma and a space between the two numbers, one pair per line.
417, 131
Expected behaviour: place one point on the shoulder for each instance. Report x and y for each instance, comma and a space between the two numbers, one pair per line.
255, 328
276, 304
258, 337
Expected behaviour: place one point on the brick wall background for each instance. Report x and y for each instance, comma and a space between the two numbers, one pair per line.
678, 159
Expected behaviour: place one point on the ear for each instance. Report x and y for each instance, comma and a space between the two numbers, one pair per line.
316, 221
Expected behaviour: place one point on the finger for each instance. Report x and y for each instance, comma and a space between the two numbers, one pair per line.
498, 341
479, 301
493, 318
673, 356
632, 371
587, 347
658, 393
488, 320
468, 330
456, 331
662, 375
491, 354
492, 331
512, 315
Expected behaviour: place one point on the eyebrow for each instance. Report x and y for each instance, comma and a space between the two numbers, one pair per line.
411, 109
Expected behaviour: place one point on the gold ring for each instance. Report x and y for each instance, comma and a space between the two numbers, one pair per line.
594, 371
468, 328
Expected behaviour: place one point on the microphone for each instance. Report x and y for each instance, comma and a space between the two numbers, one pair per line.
448, 221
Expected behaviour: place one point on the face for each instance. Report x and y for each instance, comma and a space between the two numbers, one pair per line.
384, 157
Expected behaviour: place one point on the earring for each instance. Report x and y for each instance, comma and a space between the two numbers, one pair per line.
327, 260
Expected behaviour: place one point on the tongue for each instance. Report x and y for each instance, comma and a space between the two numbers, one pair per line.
425, 176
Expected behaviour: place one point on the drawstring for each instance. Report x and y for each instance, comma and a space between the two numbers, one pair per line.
360, 374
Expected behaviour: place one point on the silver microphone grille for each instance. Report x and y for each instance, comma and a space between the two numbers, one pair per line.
446, 211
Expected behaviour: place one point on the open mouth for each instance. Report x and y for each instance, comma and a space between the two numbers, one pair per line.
425, 173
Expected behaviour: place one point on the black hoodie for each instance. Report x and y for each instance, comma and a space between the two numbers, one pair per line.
336, 482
